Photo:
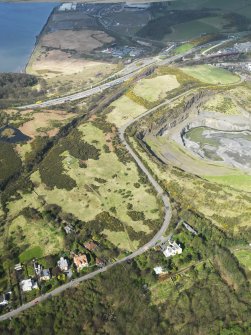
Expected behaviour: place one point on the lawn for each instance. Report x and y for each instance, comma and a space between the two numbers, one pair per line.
29, 254
38, 237
211, 74
244, 257
154, 89
124, 110
121, 239
240, 182
183, 48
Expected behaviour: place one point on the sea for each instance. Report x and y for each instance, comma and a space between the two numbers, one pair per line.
20, 23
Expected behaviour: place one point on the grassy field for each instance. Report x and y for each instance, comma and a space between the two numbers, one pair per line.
124, 110
105, 184
45, 123
64, 73
238, 181
31, 253
154, 89
244, 257
183, 48
40, 240
211, 74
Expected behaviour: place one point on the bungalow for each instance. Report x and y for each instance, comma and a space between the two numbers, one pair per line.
28, 285
63, 264
80, 261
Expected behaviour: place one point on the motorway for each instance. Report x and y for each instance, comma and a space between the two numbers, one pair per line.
126, 74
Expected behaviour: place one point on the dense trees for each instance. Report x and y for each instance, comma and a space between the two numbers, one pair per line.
18, 87
51, 168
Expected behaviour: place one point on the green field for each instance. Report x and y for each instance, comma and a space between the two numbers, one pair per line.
124, 110
29, 254
36, 238
183, 48
240, 182
190, 30
154, 89
211, 74
244, 257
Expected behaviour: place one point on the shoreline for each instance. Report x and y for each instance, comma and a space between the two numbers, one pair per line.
38, 37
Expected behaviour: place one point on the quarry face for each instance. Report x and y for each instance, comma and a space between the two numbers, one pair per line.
234, 148
218, 138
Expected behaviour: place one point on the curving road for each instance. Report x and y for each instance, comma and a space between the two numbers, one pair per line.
147, 246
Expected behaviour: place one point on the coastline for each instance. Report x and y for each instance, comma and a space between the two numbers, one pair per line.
38, 37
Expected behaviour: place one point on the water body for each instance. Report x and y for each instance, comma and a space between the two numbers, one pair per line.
9, 134
20, 23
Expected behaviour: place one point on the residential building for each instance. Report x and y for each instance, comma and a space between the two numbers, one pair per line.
63, 264
80, 261
158, 270
28, 285
45, 275
99, 262
18, 267
172, 250
4, 299
90, 245
37, 268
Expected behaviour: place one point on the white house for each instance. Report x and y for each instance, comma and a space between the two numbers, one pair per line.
158, 270
172, 250
63, 264
28, 285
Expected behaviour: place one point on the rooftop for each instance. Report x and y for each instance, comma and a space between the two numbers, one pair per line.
80, 261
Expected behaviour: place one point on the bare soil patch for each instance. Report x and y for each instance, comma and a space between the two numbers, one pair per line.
45, 123
83, 41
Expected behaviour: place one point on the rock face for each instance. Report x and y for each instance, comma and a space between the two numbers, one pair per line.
226, 138
219, 122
